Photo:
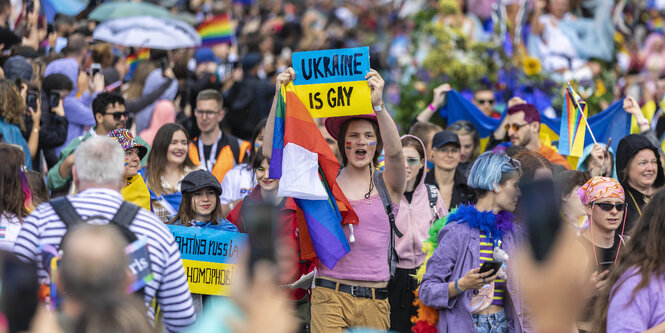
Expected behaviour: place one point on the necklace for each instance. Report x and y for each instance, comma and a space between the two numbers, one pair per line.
371, 181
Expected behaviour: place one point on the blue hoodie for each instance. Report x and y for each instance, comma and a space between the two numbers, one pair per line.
78, 111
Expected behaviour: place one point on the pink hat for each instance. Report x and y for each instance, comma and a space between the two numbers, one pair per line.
600, 187
334, 124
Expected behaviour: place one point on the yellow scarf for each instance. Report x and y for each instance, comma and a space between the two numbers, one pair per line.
137, 192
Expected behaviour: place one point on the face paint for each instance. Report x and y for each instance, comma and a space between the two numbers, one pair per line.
348, 145
372, 144
126, 161
257, 145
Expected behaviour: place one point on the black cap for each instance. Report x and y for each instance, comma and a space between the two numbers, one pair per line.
445, 137
199, 179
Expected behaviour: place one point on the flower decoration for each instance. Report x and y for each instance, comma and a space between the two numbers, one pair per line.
532, 66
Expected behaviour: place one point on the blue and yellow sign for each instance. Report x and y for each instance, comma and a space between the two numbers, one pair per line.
331, 83
209, 257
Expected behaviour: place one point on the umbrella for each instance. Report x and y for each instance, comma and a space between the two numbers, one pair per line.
112, 10
67, 7
149, 32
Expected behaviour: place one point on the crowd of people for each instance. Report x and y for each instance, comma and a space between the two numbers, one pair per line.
101, 151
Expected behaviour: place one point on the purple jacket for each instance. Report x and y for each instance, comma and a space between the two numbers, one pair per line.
457, 253
639, 312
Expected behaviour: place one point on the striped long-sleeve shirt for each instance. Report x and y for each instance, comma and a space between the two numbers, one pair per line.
169, 286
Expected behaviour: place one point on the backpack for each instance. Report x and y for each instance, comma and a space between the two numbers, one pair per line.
432, 196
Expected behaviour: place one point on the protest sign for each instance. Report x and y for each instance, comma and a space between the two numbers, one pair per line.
139, 264
331, 83
209, 257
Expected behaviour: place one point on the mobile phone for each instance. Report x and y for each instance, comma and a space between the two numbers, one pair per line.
258, 219
29, 6
491, 265
164, 64
539, 208
95, 68
50, 28
31, 99
53, 99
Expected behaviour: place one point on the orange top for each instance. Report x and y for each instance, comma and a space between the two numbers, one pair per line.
552, 156
225, 160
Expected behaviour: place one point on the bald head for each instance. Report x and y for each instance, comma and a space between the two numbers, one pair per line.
93, 263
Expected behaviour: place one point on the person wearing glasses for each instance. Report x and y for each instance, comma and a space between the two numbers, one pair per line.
420, 207
605, 203
109, 111
483, 98
214, 150
450, 182
523, 128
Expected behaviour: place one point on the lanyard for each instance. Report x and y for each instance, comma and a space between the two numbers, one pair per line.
635, 202
92, 131
209, 163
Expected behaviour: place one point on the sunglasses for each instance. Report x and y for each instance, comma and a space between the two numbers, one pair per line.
412, 161
485, 101
515, 127
606, 206
118, 115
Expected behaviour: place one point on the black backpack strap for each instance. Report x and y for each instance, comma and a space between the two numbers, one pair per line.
65, 211
385, 199
380, 185
125, 214
432, 196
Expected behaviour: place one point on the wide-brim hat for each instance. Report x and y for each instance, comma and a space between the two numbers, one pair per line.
126, 139
199, 179
334, 124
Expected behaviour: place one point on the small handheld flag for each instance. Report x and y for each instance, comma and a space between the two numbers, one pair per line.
573, 124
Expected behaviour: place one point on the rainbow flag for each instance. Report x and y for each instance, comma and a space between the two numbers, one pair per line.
134, 59
299, 147
573, 124
216, 30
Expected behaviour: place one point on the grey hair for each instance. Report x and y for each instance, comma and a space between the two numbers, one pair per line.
99, 161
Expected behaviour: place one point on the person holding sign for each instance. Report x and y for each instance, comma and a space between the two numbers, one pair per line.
200, 208
359, 280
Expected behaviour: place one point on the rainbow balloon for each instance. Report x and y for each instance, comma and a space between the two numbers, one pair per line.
216, 30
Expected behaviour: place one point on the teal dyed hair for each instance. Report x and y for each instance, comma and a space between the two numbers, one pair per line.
492, 169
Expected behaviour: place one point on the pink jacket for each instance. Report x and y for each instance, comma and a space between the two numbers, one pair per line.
414, 220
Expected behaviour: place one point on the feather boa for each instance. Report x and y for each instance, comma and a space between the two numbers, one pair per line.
491, 224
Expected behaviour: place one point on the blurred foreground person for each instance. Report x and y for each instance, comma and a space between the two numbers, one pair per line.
98, 174
93, 277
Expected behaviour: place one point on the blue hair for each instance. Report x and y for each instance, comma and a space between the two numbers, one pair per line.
490, 168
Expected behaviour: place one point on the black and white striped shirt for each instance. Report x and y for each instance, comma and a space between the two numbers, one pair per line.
169, 286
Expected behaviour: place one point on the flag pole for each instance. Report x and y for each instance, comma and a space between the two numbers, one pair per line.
577, 106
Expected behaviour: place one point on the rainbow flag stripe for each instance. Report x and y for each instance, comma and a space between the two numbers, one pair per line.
134, 59
216, 30
3, 232
573, 124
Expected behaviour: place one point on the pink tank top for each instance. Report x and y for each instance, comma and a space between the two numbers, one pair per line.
368, 258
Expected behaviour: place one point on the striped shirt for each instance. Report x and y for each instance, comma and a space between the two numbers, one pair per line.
169, 286
487, 254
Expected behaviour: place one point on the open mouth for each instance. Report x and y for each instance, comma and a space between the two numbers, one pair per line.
361, 153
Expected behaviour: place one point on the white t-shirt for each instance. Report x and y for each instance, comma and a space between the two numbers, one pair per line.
237, 183
555, 46
9, 228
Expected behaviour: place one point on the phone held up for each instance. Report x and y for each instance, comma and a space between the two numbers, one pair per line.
94, 69
31, 99
258, 218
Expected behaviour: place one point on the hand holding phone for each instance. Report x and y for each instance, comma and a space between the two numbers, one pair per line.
491, 266
31, 99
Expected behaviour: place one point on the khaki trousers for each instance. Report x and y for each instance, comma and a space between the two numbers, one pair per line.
334, 311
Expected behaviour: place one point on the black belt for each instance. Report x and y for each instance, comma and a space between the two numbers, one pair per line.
355, 291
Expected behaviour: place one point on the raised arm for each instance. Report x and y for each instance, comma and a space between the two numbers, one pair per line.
395, 172
438, 97
282, 79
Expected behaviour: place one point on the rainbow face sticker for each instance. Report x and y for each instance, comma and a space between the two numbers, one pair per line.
348, 145
126, 161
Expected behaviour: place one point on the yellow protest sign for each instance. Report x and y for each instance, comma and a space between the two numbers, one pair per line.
331, 83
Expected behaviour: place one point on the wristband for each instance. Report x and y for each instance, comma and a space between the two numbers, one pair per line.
378, 108
431, 107
643, 123
458, 288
